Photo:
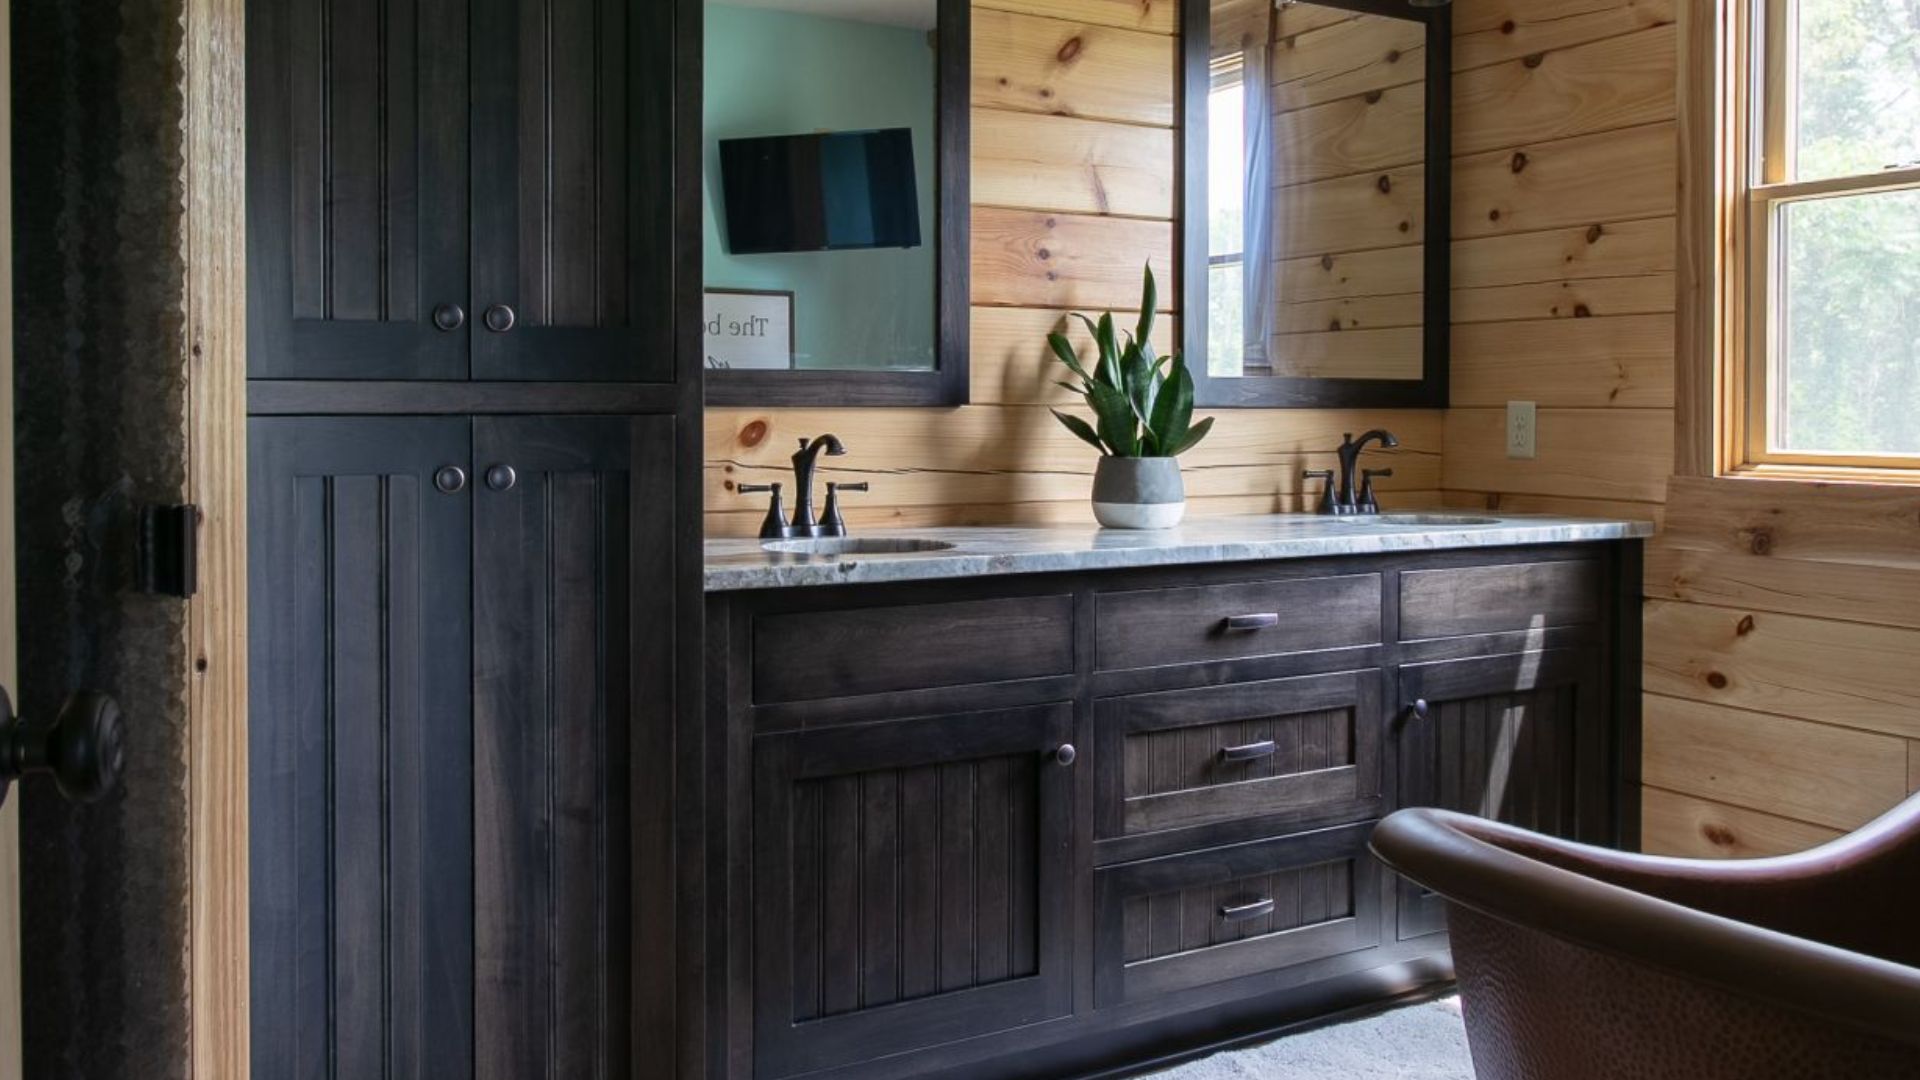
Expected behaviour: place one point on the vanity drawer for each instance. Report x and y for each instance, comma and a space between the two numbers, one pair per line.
1182, 758
1153, 627
1172, 924
1494, 599
805, 656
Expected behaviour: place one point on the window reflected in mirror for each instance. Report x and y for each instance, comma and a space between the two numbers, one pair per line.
1316, 160
819, 150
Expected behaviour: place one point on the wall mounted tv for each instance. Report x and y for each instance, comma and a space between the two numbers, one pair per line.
835, 191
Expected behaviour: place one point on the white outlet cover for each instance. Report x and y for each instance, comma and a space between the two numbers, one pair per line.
1523, 432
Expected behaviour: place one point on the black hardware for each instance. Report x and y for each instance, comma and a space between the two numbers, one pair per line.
1250, 752
803, 466
501, 477
1261, 621
1370, 503
1419, 709
1347, 500
500, 318
775, 527
450, 478
1065, 754
1243, 912
170, 550
831, 523
449, 317
83, 749
1326, 489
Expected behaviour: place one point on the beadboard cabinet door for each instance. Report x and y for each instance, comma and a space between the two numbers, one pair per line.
572, 720
357, 177
1519, 738
360, 817
573, 171
911, 884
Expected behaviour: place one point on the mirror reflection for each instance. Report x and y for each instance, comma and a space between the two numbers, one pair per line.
819, 148
1316, 146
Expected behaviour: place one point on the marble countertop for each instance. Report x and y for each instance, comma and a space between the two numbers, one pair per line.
743, 564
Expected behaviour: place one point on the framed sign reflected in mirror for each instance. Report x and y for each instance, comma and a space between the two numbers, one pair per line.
1317, 176
835, 152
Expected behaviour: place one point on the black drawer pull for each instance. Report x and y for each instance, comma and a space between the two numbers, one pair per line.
1243, 912
1260, 621
1250, 752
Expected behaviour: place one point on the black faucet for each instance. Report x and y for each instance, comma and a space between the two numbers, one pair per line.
1347, 500
803, 464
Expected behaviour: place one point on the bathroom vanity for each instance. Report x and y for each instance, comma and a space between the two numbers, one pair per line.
1052, 801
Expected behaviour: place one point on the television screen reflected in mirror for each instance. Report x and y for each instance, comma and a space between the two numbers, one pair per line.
1316, 147
820, 185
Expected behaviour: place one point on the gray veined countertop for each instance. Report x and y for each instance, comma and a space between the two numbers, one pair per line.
744, 564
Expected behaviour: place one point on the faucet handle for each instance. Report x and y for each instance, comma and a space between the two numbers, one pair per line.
1326, 491
775, 526
1369, 504
832, 524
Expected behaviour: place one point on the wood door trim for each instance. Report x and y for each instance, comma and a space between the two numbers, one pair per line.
216, 363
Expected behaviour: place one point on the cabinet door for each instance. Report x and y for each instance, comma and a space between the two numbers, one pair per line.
911, 885
358, 748
573, 703
357, 189
1519, 738
573, 179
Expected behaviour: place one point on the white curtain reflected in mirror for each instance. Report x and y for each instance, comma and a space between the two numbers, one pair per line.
1316, 147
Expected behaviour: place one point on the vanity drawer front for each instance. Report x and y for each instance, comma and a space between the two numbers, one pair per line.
1183, 758
1495, 599
805, 656
1175, 923
1153, 627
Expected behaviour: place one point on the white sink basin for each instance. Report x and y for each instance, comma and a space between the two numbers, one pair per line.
1428, 520
857, 545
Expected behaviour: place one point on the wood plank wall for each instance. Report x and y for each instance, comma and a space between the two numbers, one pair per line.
1781, 619
1074, 154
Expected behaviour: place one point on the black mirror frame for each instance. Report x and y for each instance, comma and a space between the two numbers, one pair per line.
947, 383
1287, 392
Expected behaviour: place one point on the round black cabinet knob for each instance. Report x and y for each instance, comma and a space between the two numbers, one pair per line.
1419, 709
449, 317
1065, 754
450, 478
502, 477
500, 318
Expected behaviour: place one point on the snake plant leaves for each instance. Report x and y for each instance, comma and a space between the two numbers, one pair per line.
1117, 424
1063, 349
1173, 410
1081, 428
1198, 432
1149, 299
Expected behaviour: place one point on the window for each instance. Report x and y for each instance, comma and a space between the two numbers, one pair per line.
1226, 215
1828, 196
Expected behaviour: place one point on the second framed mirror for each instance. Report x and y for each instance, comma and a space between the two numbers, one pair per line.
1316, 174
835, 201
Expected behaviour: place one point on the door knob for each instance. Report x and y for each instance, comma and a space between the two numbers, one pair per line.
449, 317
83, 749
1065, 754
500, 318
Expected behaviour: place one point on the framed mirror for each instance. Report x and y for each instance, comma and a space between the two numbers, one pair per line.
835, 205
1317, 164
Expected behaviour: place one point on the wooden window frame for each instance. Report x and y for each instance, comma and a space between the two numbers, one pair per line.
1735, 149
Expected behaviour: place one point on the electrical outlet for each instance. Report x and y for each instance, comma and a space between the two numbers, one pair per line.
1523, 431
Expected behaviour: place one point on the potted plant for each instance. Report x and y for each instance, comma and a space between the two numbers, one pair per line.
1143, 419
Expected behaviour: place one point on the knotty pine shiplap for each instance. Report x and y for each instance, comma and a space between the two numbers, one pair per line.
1074, 186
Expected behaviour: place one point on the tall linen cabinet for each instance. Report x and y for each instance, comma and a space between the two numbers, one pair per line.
474, 532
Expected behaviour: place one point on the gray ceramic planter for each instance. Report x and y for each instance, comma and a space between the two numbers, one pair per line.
1138, 493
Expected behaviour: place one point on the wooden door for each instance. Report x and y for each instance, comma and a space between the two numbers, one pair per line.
1519, 738
573, 229
573, 560
359, 732
357, 256
911, 885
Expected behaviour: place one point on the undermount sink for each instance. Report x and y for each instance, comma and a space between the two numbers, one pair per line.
856, 545
1431, 520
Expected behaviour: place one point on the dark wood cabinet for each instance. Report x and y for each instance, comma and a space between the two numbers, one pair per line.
1521, 738
879, 772
461, 728
911, 884
360, 736
454, 189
